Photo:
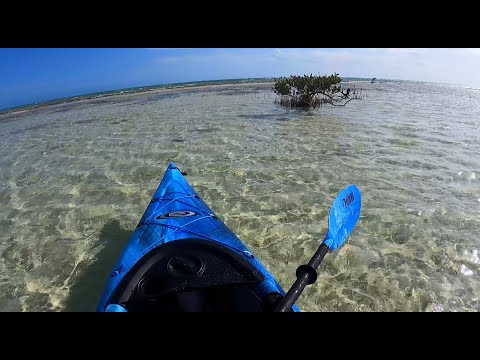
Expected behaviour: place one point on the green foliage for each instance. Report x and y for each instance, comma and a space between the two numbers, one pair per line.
308, 90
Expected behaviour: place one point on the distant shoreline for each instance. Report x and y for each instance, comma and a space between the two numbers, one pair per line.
142, 90
5, 114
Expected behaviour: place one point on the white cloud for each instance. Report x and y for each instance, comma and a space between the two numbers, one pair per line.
473, 51
399, 51
168, 49
437, 64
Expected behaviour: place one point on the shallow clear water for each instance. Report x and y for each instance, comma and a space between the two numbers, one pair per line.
76, 178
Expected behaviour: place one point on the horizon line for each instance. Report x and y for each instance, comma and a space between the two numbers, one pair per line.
72, 98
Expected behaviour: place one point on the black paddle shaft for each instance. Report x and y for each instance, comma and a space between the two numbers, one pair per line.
306, 274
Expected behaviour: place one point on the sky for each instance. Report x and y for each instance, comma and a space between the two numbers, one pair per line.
31, 75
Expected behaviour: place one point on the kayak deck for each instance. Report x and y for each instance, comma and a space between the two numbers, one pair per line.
181, 257
191, 275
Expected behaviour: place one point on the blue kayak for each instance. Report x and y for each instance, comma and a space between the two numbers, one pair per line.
182, 258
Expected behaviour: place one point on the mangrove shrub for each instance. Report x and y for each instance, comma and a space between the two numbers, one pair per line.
313, 90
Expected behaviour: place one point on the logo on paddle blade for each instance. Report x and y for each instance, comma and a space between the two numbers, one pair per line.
348, 200
177, 214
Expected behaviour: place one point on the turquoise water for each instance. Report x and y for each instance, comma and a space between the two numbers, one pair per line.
75, 179
133, 90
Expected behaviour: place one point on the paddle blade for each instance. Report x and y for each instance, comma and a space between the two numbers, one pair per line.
343, 216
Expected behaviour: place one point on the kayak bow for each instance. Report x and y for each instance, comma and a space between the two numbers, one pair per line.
181, 257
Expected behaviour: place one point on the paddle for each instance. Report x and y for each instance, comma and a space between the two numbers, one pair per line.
343, 216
